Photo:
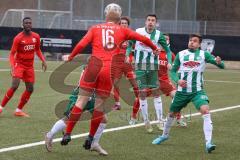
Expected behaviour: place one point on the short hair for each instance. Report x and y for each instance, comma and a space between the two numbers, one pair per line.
126, 19
196, 35
152, 15
113, 17
166, 34
26, 18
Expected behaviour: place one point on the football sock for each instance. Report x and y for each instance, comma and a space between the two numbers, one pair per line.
99, 132
207, 127
24, 99
73, 118
7, 96
57, 127
135, 109
144, 109
95, 122
158, 108
167, 125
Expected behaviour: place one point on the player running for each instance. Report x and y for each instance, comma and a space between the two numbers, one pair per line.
187, 72
21, 58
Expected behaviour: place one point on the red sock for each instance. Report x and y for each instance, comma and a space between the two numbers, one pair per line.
73, 118
95, 121
24, 99
178, 116
135, 109
136, 91
8, 96
116, 94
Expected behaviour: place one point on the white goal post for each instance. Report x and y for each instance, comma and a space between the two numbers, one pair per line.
41, 18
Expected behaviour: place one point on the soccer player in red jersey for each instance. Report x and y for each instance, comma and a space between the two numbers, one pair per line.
22, 53
105, 39
120, 67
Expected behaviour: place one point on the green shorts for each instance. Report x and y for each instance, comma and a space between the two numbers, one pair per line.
147, 78
182, 99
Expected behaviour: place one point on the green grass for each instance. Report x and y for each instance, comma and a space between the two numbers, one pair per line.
129, 144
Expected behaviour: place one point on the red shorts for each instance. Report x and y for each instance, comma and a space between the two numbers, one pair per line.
166, 86
119, 67
27, 74
97, 77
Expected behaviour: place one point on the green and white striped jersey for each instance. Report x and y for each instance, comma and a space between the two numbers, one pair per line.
190, 65
143, 55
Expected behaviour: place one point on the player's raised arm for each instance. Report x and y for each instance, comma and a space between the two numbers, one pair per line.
81, 45
134, 35
214, 60
163, 42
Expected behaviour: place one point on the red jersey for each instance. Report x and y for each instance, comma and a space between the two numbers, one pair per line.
107, 39
24, 48
163, 70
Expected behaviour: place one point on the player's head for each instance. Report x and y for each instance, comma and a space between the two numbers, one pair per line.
125, 21
195, 41
167, 37
151, 21
27, 24
113, 13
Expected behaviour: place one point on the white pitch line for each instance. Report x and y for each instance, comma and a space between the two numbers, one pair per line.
220, 81
7, 149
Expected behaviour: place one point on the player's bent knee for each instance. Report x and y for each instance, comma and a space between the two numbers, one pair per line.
204, 109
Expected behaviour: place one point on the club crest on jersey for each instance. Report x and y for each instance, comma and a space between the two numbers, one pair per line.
191, 64
34, 40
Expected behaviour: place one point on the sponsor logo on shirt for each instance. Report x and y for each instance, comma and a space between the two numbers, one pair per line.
34, 40
191, 64
29, 47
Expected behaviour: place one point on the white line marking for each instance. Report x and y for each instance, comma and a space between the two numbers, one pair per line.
105, 131
217, 81
220, 81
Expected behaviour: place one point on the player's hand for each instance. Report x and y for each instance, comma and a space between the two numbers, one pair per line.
127, 60
218, 60
66, 58
169, 66
44, 66
182, 83
157, 51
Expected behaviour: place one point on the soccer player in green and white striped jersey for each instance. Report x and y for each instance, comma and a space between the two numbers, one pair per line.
187, 72
147, 66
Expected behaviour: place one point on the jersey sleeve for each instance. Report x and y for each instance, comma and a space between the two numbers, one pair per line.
175, 67
13, 51
38, 50
82, 43
163, 42
209, 58
132, 35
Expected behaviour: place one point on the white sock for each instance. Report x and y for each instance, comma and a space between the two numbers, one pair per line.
18, 110
207, 127
158, 108
167, 125
117, 103
1, 107
144, 109
57, 127
99, 132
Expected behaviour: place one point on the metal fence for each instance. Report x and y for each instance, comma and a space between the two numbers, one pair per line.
174, 17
